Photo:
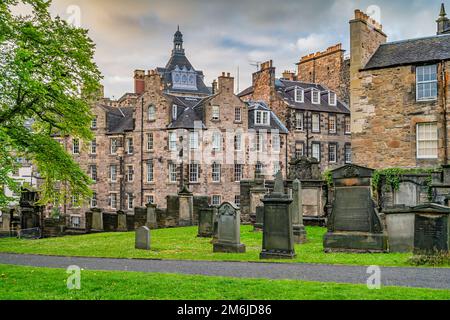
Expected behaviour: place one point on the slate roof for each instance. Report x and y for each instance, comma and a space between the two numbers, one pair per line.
275, 123
408, 52
119, 120
285, 90
190, 111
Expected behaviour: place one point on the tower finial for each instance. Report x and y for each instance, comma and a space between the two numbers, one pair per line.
443, 13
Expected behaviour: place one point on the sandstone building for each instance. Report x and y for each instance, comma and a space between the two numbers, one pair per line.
399, 96
174, 131
319, 123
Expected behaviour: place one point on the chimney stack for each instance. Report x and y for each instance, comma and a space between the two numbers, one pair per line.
139, 81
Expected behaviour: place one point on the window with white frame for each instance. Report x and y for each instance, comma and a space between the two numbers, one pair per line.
94, 123
237, 200
316, 151
216, 172
75, 221
238, 172
237, 114
276, 167
262, 118
194, 172
113, 200
299, 150
93, 147
172, 172
130, 173
150, 170
193, 140
75, 202
217, 141
215, 113
238, 142
259, 142
114, 145
113, 173
259, 168
94, 200
150, 199
151, 113
348, 154
348, 125
174, 112
332, 153
130, 201
216, 200
426, 83
315, 96
332, 98
276, 142
130, 146
332, 123
93, 172
150, 142
299, 95
172, 141
316, 123
76, 146
427, 141
299, 121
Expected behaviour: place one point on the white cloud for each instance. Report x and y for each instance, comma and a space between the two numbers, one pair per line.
313, 43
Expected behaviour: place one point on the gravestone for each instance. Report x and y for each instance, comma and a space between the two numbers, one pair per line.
400, 228
6, 221
296, 211
259, 224
229, 235
304, 169
97, 220
354, 224
432, 229
152, 220
206, 219
186, 207
257, 193
122, 221
406, 195
278, 233
142, 238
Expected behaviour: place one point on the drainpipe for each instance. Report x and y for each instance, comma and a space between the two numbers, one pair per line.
444, 107
142, 152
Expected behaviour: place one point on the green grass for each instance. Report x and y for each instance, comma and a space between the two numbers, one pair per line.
30, 283
183, 244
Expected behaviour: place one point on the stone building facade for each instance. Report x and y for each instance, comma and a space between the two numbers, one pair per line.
175, 132
399, 97
318, 122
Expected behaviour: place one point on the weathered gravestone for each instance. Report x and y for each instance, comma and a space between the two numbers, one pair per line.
259, 224
432, 229
206, 219
97, 220
152, 219
354, 224
229, 236
400, 228
122, 221
186, 208
296, 211
278, 233
142, 238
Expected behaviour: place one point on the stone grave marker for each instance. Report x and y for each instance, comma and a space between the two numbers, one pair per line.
206, 219
432, 229
259, 219
186, 207
152, 220
122, 221
296, 209
229, 236
354, 224
97, 220
278, 233
142, 238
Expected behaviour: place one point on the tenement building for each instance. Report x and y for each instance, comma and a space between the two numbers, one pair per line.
175, 132
399, 96
319, 123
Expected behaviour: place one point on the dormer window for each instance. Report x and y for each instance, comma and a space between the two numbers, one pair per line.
299, 95
315, 96
262, 118
332, 98
174, 112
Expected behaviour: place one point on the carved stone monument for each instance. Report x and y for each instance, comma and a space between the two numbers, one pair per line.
229, 236
206, 219
354, 224
304, 169
186, 207
296, 211
142, 238
278, 233
432, 229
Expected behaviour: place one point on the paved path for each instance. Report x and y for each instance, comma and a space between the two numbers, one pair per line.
404, 277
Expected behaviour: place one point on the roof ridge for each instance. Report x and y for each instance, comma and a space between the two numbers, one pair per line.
415, 39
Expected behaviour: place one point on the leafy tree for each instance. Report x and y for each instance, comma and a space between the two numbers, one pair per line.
48, 81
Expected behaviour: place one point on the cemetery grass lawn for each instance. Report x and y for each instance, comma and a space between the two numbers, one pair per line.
183, 244
32, 283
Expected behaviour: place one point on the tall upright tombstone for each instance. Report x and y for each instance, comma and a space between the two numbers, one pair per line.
354, 224
152, 221
229, 230
122, 221
278, 232
97, 220
186, 207
206, 219
296, 209
142, 241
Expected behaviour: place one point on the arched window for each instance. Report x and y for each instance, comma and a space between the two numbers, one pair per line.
151, 113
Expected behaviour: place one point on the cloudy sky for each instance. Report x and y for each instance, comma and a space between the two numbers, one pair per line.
222, 35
